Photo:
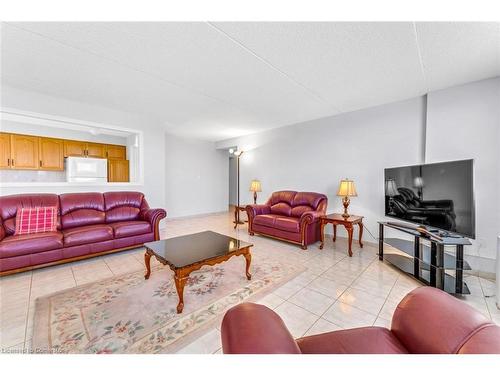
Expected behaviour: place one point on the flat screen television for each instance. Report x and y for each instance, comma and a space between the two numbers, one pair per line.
439, 196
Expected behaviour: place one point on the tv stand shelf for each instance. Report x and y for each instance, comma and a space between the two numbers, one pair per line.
428, 263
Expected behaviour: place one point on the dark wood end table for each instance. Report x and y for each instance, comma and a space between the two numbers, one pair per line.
348, 223
189, 253
237, 219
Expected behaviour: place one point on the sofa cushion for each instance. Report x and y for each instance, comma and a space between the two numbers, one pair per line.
299, 210
281, 209
78, 209
366, 340
285, 196
87, 234
305, 198
30, 243
10, 203
265, 220
36, 220
288, 224
130, 228
123, 205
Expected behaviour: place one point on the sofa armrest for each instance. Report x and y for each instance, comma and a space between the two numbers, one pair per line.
249, 328
154, 216
311, 216
257, 209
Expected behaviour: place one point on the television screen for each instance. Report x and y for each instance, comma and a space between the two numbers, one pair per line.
436, 195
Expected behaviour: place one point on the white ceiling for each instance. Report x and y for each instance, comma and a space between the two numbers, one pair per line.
220, 80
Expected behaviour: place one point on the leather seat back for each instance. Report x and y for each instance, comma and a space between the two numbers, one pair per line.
10, 203
422, 322
78, 209
123, 205
292, 203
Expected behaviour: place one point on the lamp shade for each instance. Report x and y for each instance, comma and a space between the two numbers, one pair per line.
347, 189
391, 189
255, 186
418, 182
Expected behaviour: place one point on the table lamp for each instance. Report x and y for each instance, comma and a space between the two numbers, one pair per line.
255, 187
391, 190
346, 190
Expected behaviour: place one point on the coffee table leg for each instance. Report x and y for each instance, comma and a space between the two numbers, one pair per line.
248, 258
180, 282
147, 260
360, 234
349, 232
334, 232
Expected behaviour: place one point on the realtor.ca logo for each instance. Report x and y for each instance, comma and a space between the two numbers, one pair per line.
30, 351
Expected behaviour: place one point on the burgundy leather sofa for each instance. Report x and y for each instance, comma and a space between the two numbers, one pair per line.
426, 321
89, 224
290, 216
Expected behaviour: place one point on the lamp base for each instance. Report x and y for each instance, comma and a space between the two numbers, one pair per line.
254, 197
345, 202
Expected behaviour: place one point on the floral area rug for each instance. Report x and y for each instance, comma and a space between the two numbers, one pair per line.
128, 314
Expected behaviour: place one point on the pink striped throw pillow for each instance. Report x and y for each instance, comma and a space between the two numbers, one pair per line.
36, 220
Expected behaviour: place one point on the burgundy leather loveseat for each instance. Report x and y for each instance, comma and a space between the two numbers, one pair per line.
89, 224
289, 215
426, 321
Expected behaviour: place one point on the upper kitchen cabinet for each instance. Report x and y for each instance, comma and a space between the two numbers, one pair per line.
116, 152
4, 150
24, 152
118, 170
96, 150
84, 149
74, 148
51, 154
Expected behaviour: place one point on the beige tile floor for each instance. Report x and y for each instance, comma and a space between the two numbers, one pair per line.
335, 291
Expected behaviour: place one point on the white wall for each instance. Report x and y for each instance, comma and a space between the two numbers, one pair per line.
196, 177
464, 123
316, 155
154, 140
233, 179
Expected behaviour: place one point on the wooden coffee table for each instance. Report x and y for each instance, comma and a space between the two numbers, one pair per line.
186, 254
348, 223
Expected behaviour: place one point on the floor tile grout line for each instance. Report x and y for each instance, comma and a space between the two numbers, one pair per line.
350, 285
386, 299
28, 311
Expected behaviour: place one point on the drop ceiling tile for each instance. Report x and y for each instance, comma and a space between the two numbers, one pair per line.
352, 65
454, 53
196, 57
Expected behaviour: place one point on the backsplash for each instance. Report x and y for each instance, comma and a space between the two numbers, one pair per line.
7, 176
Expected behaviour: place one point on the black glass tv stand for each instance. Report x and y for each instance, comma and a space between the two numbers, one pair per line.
425, 258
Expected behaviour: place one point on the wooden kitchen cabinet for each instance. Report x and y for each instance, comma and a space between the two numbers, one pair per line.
24, 152
51, 154
4, 150
74, 148
118, 170
96, 150
116, 152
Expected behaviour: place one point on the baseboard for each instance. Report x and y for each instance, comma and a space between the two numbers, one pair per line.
196, 215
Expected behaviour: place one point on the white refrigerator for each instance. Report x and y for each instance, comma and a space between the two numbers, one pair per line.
91, 170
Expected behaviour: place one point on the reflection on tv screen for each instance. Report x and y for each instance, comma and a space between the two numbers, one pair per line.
435, 195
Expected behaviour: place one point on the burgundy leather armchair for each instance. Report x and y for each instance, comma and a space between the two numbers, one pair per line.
426, 321
290, 216
89, 224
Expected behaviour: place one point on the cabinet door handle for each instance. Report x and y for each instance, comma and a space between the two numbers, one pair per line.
41, 163
8, 162
12, 162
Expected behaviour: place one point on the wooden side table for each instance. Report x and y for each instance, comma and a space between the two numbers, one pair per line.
348, 223
236, 216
